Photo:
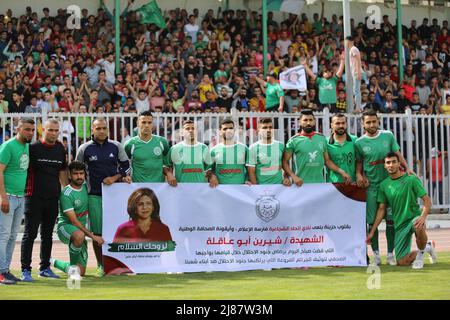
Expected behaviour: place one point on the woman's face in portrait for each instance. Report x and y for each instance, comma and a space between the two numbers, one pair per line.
144, 208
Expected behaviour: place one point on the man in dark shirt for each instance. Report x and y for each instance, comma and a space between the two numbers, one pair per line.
17, 105
45, 176
224, 100
402, 102
191, 67
372, 104
107, 163
424, 30
415, 105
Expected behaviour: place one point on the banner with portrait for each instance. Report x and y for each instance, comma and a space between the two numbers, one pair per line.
293, 78
153, 227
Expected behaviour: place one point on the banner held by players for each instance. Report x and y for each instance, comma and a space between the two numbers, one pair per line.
153, 227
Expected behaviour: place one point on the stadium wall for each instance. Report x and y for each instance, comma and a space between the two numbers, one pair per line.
358, 10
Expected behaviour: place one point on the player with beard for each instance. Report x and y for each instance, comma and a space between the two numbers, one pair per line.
72, 220
309, 149
14, 161
371, 149
341, 148
400, 192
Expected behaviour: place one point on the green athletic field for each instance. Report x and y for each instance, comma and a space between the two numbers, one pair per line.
432, 282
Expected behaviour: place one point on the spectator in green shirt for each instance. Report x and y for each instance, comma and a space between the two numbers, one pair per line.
14, 161
326, 83
274, 92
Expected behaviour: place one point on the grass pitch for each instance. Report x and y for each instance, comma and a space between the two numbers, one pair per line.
432, 282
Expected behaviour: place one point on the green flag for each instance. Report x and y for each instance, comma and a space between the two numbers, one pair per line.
151, 13
291, 6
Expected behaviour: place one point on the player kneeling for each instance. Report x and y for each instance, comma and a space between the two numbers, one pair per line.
400, 191
72, 221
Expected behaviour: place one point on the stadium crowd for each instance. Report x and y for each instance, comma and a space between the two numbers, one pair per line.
199, 65
211, 63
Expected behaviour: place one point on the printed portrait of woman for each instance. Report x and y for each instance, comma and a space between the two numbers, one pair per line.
145, 224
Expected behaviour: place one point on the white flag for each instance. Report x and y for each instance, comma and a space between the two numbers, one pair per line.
294, 78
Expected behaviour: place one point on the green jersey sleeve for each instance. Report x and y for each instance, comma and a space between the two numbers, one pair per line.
127, 148
5, 154
212, 157
247, 153
381, 195
358, 152
324, 143
290, 146
394, 145
66, 203
280, 91
207, 158
251, 158
418, 187
169, 157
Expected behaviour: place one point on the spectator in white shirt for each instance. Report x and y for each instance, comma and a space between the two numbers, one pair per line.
356, 71
283, 43
191, 28
109, 66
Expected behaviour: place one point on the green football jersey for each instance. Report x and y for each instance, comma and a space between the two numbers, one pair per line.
228, 163
372, 151
401, 196
190, 162
308, 153
147, 158
327, 89
76, 200
273, 94
267, 160
343, 155
16, 157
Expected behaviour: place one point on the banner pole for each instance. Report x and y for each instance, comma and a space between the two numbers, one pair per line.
264, 36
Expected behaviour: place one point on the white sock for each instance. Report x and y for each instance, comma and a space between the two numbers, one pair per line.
376, 253
427, 247
52, 262
420, 255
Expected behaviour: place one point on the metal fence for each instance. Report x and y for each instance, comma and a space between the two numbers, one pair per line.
423, 139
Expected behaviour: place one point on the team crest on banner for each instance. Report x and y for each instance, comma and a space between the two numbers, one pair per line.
267, 207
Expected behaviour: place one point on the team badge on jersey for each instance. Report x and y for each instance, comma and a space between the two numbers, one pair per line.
157, 151
263, 158
267, 207
312, 156
367, 149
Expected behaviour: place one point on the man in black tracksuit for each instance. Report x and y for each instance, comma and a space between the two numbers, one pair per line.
106, 163
47, 172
